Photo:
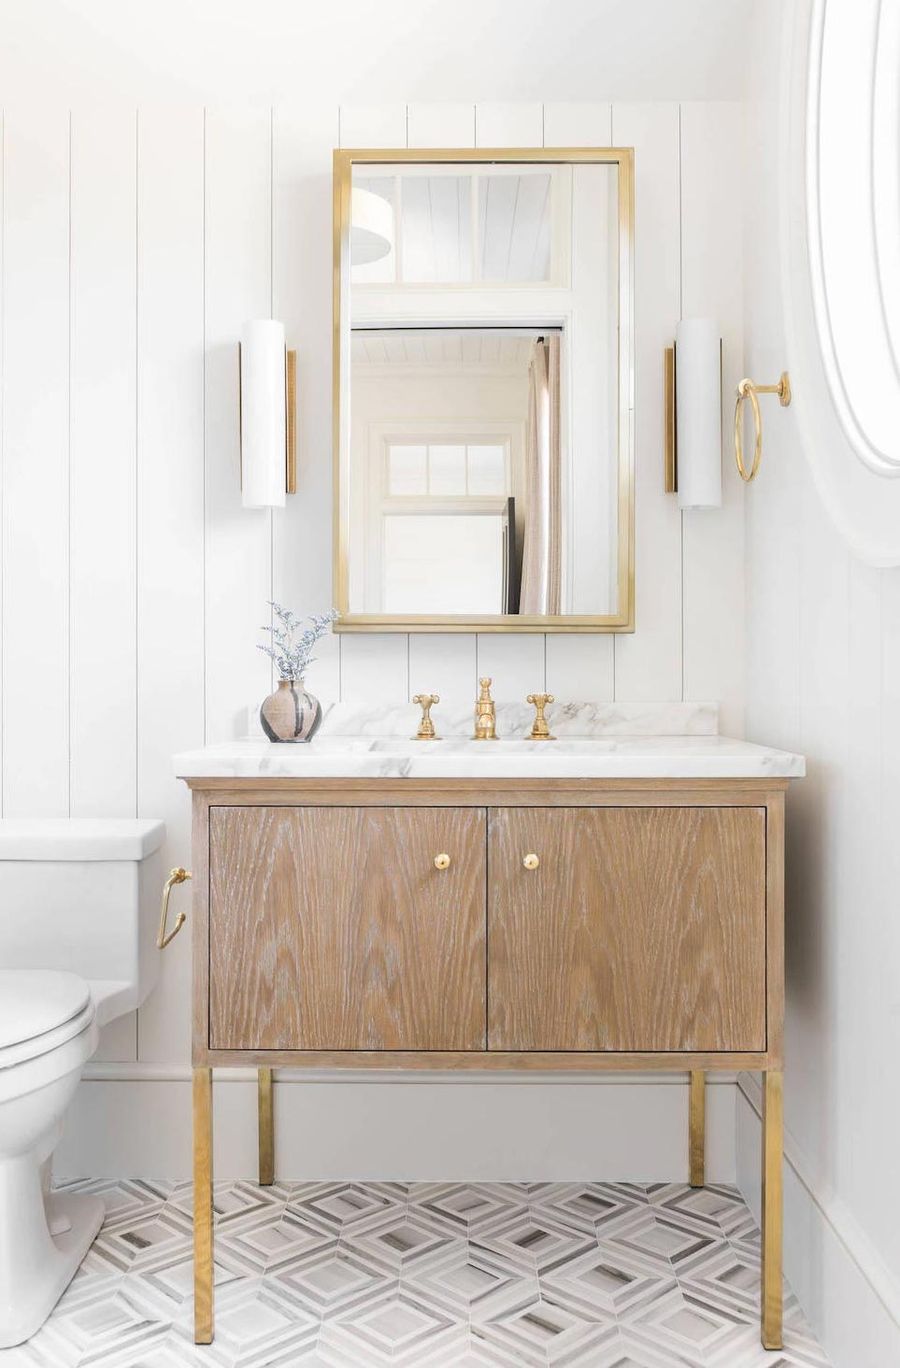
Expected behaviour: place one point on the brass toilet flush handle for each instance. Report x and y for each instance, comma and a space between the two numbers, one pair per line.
540, 730
426, 730
177, 876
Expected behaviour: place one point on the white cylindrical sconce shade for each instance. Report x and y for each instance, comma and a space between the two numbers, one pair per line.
263, 414
371, 226
698, 413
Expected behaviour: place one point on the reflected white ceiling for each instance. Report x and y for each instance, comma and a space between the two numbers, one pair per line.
467, 349
513, 226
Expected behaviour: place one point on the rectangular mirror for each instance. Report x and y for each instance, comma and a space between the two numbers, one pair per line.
483, 390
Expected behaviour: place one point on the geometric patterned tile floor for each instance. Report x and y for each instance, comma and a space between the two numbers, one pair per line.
359, 1275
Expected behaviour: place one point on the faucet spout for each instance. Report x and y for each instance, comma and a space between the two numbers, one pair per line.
485, 714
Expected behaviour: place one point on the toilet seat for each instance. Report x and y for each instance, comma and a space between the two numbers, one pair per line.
39, 1011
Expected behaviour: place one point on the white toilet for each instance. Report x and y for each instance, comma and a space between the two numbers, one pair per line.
79, 901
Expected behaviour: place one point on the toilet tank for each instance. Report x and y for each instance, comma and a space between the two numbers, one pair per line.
82, 894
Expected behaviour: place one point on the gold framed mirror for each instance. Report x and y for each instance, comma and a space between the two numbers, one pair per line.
483, 390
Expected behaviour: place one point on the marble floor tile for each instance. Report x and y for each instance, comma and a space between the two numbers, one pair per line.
423, 1275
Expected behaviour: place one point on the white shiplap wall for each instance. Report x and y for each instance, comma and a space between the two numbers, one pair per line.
135, 244
823, 678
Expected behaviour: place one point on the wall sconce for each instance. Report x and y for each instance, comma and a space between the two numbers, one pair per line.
371, 226
268, 396
693, 414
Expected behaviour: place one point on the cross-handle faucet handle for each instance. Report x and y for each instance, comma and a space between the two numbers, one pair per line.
539, 730
426, 730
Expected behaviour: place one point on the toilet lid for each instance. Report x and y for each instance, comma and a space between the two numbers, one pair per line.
36, 1001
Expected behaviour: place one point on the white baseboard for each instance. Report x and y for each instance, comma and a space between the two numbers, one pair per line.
135, 1121
849, 1296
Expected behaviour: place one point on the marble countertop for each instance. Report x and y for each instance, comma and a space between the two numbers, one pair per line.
585, 757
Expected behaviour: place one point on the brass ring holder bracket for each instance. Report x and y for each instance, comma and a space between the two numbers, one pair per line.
177, 876
747, 389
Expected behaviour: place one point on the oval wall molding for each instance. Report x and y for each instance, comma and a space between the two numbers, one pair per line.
848, 395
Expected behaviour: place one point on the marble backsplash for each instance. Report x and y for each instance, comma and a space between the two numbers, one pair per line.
566, 718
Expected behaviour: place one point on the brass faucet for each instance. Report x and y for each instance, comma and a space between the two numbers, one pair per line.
426, 730
540, 731
485, 714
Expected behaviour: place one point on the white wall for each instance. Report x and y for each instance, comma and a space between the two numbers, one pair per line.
823, 659
135, 242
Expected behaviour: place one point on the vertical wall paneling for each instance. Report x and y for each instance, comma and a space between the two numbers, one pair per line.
886, 1123
580, 666
441, 125
102, 612
444, 665
515, 663
858, 943
103, 366
2, 435
374, 666
373, 125
36, 464
712, 286
170, 529
303, 140
183, 226
578, 124
648, 663
509, 125
238, 287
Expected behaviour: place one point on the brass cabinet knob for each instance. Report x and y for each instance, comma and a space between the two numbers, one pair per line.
531, 861
442, 861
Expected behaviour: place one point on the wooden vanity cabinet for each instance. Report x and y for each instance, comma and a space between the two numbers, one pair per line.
641, 929
537, 924
332, 928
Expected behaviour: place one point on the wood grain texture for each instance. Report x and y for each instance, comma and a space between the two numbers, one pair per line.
331, 929
642, 929
493, 1061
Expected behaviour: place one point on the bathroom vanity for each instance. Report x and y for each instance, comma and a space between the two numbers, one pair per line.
608, 901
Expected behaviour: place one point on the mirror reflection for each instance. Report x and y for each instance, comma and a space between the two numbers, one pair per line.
480, 443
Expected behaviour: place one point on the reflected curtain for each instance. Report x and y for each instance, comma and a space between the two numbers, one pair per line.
541, 553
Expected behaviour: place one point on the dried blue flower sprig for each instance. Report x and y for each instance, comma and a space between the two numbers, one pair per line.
291, 644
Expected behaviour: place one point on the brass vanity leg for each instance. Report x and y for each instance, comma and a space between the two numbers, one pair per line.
266, 1128
698, 1128
203, 1207
772, 1204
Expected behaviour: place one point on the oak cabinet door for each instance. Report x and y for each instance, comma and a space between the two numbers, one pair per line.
333, 929
640, 929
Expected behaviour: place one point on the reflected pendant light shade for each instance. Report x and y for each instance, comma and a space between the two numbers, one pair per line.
698, 408
371, 227
263, 414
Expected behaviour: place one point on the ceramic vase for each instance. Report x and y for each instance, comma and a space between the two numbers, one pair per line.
290, 713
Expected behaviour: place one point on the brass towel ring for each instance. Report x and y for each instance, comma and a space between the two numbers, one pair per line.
747, 389
177, 876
